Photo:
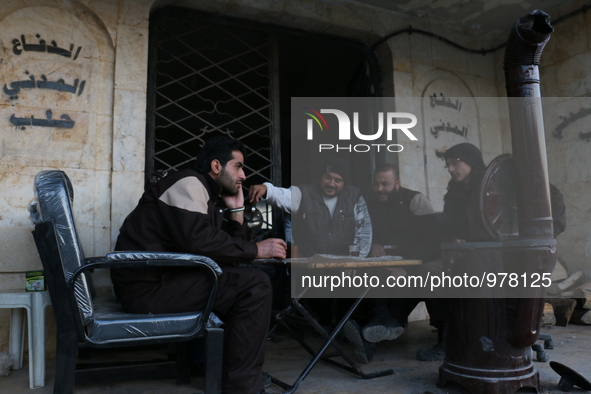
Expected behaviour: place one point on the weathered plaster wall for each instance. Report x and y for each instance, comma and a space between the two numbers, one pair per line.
56, 69
104, 151
565, 77
566, 74
422, 67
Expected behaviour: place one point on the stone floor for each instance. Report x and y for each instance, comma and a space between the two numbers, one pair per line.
285, 359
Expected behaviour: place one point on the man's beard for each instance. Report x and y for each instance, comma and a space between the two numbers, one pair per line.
326, 190
393, 195
228, 184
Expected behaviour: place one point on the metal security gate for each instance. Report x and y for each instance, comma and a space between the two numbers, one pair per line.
209, 77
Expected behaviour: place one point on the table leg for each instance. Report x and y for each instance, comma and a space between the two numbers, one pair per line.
352, 367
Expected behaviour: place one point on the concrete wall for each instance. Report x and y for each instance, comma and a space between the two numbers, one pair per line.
566, 77
424, 66
72, 85
104, 151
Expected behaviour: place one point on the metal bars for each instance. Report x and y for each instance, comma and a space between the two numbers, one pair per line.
210, 78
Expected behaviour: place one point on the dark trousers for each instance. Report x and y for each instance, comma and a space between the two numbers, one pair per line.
330, 309
400, 308
243, 303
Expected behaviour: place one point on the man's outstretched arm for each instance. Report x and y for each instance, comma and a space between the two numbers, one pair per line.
287, 200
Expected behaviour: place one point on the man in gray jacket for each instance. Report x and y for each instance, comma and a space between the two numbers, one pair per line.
327, 217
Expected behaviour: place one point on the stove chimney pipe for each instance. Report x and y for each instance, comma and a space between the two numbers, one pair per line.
522, 57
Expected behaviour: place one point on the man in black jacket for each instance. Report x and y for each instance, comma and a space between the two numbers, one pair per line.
405, 219
184, 212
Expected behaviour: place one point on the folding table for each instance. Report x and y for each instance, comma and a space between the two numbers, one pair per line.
352, 367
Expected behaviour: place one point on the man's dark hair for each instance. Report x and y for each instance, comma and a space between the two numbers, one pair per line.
389, 167
220, 148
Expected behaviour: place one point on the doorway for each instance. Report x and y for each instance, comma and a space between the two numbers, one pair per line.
210, 75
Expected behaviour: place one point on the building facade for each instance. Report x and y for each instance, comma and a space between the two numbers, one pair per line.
81, 93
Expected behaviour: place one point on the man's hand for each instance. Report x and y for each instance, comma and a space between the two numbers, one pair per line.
256, 192
376, 251
236, 201
271, 248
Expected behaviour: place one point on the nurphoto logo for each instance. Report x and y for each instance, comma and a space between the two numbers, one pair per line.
317, 121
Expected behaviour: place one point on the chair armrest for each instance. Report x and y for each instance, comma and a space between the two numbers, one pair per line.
148, 259
161, 256
103, 263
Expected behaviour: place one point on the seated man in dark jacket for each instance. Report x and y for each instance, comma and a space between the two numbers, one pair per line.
184, 212
404, 218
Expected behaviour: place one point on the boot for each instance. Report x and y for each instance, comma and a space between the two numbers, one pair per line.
364, 350
383, 327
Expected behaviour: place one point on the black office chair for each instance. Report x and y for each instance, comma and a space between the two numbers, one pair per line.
100, 321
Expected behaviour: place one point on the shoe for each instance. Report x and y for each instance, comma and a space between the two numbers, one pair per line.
382, 329
364, 350
267, 379
435, 353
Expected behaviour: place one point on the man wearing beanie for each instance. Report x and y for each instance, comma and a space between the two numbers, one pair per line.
466, 152
461, 202
327, 217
